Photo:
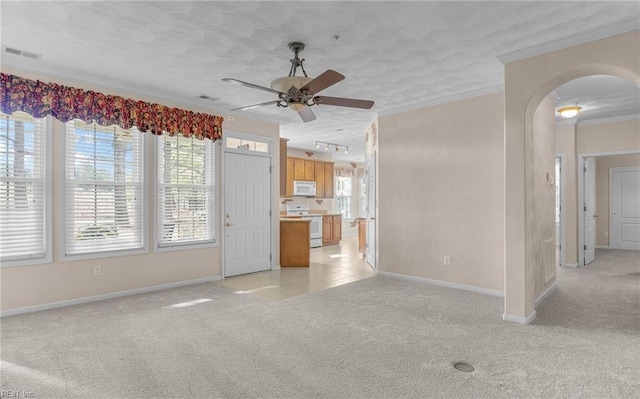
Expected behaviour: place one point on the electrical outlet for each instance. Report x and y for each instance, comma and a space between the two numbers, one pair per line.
97, 271
447, 260
606, 234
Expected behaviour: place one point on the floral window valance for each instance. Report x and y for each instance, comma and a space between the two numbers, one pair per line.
65, 103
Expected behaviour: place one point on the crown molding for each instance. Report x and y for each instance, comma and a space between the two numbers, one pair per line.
597, 121
443, 100
611, 119
590, 36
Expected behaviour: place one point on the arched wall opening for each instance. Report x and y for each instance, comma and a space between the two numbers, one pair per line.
527, 83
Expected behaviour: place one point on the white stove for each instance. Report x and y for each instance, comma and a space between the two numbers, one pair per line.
315, 226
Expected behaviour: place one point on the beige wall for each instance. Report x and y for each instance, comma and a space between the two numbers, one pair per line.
441, 192
541, 246
566, 146
527, 83
603, 164
605, 137
585, 139
32, 285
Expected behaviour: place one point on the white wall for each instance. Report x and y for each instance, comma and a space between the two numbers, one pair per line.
31, 285
441, 192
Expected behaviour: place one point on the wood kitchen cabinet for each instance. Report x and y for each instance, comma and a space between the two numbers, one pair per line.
283, 168
331, 229
328, 180
289, 178
294, 242
319, 178
305, 169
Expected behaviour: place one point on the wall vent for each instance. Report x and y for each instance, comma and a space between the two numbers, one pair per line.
207, 98
20, 53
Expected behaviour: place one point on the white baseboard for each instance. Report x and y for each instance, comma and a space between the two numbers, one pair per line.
101, 297
275, 267
519, 319
603, 247
572, 265
545, 294
441, 283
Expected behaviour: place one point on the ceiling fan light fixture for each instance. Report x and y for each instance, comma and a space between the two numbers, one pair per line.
285, 83
297, 106
569, 112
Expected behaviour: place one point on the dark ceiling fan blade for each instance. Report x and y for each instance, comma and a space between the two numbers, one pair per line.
307, 114
248, 107
343, 102
247, 84
324, 80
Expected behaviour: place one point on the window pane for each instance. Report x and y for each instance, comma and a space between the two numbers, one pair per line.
22, 187
104, 189
185, 190
343, 195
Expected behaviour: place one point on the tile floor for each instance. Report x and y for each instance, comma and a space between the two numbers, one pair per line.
330, 266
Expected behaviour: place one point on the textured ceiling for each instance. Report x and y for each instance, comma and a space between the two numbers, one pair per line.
395, 53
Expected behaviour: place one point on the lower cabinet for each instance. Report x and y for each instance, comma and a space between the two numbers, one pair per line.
331, 229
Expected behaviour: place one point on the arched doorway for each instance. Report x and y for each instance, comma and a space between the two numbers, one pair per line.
527, 83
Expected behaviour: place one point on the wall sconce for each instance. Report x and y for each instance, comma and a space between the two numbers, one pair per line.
326, 145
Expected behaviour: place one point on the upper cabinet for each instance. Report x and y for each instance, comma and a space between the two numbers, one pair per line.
310, 170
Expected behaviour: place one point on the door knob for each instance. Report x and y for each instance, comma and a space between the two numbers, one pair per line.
228, 216
373, 218
229, 224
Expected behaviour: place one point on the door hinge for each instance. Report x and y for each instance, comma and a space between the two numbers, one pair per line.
270, 214
585, 247
270, 257
585, 208
270, 169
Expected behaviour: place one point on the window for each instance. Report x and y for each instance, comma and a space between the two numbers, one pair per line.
185, 191
104, 189
363, 196
24, 208
343, 195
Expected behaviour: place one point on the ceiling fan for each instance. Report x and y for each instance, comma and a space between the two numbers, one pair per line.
299, 92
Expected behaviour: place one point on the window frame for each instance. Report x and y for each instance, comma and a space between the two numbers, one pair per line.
349, 202
62, 223
48, 203
181, 246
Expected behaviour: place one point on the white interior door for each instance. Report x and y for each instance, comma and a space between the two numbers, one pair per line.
558, 186
371, 211
625, 209
247, 219
589, 210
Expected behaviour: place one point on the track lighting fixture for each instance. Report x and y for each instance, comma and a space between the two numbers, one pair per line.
338, 147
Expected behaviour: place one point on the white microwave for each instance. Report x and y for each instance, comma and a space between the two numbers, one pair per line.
304, 188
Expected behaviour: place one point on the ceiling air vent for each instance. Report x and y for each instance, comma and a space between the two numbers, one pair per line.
207, 98
15, 51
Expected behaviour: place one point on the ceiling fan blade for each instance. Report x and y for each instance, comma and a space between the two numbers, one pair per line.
324, 80
307, 114
248, 107
343, 102
251, 85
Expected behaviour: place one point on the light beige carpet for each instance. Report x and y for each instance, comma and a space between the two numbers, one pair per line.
376, 338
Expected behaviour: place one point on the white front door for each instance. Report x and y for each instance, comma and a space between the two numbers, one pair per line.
247, 219
625, 209
371, 211
589, 210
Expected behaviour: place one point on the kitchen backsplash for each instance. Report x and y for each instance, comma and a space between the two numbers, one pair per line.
326, 204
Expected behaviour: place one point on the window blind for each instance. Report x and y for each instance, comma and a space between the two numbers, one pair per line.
23, 199
185, 209
104, 189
